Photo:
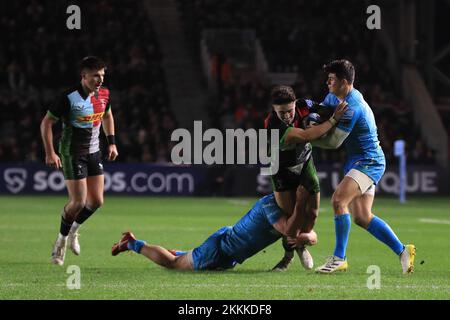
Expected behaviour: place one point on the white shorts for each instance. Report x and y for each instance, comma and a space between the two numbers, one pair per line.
365, 184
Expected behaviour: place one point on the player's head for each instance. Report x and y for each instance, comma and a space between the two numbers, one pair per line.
341, 74
92, 72
283, 102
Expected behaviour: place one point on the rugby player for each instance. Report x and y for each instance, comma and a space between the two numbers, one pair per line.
363, 169
263, 224
296, 166
82, 110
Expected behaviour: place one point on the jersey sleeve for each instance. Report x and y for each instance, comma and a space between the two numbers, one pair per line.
330, 101
273, 212
59, 108
348, 120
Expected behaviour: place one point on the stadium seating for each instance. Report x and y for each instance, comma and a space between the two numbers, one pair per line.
301, 42
41, 59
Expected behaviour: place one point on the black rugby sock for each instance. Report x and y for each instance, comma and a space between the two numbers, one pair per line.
84, 214
65, 227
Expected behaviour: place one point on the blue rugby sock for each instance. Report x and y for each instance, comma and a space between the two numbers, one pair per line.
136, 245
342, 225
381, 230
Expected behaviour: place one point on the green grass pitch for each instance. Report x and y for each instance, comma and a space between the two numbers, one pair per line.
29, 225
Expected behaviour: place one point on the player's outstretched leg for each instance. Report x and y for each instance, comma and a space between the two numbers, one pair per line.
157, 254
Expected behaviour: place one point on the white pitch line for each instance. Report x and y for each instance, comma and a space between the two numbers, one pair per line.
223, 285
435, 221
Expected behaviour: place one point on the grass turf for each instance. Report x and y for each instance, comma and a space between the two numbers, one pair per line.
29, 225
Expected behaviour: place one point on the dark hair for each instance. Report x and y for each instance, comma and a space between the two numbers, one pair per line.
282, 95
92, 63
343, 69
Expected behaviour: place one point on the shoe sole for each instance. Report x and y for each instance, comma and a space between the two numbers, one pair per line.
336, 271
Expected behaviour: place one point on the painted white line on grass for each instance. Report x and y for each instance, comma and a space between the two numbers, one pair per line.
246, 286
435, 221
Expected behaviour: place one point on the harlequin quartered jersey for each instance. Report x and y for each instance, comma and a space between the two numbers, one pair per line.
81, 116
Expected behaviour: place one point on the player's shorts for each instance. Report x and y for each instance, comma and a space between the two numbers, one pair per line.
286, 180
373, 168
208, 255
365, 184
76, 167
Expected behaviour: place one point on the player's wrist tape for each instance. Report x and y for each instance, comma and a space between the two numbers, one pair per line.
333, 121
111, 139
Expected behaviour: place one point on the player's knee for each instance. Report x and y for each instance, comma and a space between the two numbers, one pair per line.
339, 205
76, 206
96, 203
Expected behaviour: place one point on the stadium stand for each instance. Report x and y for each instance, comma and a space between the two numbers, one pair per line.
33, 69
301, 43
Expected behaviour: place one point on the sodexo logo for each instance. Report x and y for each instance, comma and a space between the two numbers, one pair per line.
15, 179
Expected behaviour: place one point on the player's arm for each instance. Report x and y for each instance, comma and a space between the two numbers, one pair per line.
338, 134
298, 135
302, 239
331, 141
51, 158
108, 128
289, 226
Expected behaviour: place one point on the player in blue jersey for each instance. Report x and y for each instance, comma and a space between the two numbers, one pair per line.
363, 169
263, 224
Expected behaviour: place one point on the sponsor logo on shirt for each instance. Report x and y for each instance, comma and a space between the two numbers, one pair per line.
90, 118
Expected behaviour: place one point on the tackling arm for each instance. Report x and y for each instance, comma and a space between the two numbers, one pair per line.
297, 135
331, 141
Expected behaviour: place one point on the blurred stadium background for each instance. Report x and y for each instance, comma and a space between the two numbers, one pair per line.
171, 62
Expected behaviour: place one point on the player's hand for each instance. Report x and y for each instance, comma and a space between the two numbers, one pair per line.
340, 110
53, 161
302, 239
112, 152
312, 238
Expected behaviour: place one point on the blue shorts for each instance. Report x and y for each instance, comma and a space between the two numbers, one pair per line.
208, 255
373, 168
